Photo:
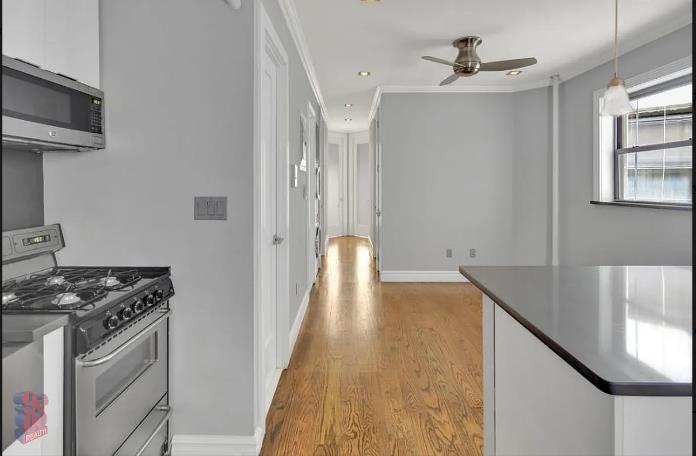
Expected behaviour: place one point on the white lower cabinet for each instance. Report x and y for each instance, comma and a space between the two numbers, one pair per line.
58, 35
537, 404
51, 443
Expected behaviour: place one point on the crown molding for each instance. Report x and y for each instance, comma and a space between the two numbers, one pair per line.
293, 21
380, 90
626, 45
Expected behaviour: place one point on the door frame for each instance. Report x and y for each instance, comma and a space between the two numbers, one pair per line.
377, 249
266, 39
310, 135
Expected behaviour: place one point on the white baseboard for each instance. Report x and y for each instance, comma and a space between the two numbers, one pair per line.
421, 276
297, 324
217, 445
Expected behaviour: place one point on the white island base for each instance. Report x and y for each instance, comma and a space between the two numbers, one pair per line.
537, 404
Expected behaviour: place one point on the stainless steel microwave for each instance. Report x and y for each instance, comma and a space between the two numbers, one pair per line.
44, 111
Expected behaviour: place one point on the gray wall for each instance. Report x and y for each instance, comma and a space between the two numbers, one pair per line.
179, 86
22, 189
531, 176
178, 77
300, 93
456, 173
590, 234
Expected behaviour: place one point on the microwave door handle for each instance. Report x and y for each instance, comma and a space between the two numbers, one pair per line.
165, 418
121, 348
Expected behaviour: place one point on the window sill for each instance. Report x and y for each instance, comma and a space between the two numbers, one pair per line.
678, 207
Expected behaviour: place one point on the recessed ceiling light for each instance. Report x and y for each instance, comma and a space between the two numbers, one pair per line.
348, 105
370, 1
363, 73
348, 120
513, 72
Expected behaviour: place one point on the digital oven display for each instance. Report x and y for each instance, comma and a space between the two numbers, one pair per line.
36, 240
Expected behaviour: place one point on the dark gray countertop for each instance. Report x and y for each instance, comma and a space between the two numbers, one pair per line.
627, 329
30, 327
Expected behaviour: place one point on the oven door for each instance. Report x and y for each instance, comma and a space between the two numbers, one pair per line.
118, 385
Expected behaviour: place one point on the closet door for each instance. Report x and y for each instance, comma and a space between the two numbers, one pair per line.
335, 172
361, 182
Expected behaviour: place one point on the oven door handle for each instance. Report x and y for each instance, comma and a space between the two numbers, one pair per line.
121, 348
165, 418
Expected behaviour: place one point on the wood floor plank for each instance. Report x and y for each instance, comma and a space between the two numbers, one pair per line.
380, 368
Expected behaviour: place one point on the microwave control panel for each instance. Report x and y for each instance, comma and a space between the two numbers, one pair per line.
96, 118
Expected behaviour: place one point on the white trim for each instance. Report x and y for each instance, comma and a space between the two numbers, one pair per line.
217, 445
583, 66
603, 126
422, 276
555, 170
378, 190
299, 318
265, 37
270, 391
645, 36
374, 106
295, 28
658, 75
452, 88
311, 125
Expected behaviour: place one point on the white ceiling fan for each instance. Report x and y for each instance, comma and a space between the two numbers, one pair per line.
468, 62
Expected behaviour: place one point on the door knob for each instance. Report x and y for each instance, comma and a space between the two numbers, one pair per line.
277, 240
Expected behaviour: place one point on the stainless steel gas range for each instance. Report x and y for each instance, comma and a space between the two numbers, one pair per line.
116, 343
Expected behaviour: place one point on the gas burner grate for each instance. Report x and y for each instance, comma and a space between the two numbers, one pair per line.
66, 288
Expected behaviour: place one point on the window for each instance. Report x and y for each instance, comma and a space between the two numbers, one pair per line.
653, 157
644, 158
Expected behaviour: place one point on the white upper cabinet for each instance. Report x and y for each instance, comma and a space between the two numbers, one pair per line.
59, 35
23, 30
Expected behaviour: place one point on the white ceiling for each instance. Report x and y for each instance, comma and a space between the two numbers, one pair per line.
388, 39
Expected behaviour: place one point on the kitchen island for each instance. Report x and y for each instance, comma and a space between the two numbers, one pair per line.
586, 360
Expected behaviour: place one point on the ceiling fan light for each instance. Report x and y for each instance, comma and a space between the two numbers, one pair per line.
616, 101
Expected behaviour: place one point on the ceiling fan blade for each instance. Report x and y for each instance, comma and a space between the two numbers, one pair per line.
502, 65
442, 61
450, 79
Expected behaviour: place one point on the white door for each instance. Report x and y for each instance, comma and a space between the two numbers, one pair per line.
268, 222
335, 175
377, 242
360, 185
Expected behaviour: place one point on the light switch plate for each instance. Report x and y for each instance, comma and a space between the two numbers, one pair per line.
210, 208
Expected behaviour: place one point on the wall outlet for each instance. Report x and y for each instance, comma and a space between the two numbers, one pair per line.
472, 253
448, 253
210, 208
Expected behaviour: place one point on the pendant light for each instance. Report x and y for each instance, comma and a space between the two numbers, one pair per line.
616, 101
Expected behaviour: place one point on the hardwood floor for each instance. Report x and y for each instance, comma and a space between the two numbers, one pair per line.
381, 368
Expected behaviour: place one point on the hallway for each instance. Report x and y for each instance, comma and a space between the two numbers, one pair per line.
380, 368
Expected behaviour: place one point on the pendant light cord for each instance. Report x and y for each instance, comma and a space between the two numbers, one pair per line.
616, 38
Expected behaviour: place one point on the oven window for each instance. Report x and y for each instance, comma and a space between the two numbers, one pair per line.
114, 380
37, 100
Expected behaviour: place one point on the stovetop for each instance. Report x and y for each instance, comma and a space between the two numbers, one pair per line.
81, 290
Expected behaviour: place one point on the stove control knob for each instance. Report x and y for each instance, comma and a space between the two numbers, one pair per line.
159, 294
149, 300
126, 313
137, 306
111, 322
